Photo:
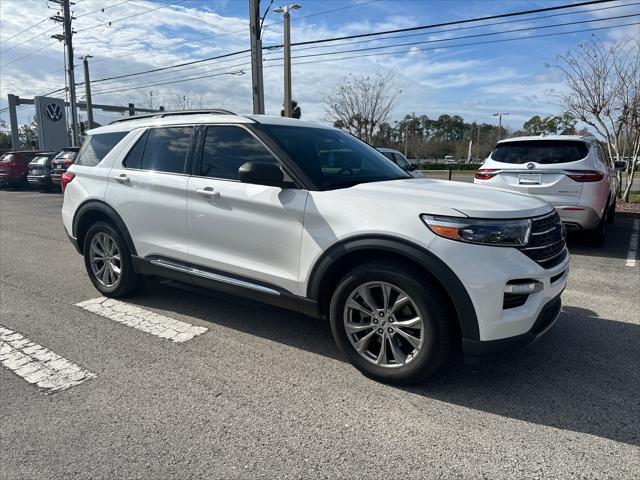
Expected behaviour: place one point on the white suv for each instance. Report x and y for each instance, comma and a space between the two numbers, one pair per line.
568, 171
310, 218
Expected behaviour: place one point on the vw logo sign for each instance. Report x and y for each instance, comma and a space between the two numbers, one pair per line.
530, 166
53, 112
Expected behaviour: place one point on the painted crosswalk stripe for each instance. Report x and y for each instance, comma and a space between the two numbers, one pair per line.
141, 319
633, 244
38, 365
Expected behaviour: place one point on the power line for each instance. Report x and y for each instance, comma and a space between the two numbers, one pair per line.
332, 39
445, 24
102, 9
391, 46
470, 44
25, 30
468, 27
477, 35
29, 39
28, 54
131, 16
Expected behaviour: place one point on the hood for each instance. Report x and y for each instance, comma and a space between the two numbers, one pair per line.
472, 200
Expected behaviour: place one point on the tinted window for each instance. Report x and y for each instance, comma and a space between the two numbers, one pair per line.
389, 155
402, 162
540, 151
166, 149
41, 160
134, 157
332, 158
226, 149
96, 147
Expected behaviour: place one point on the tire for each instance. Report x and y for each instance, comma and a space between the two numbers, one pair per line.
597, 236
424, 299
611, 215
101, 236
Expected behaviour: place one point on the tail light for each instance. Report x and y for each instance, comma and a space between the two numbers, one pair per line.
66, 179
485, 173
68, 163
585, 175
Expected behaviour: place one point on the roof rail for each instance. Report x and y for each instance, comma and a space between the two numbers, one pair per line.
216, 111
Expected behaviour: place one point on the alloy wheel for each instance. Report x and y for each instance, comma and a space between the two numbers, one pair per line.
383, 324
104, 256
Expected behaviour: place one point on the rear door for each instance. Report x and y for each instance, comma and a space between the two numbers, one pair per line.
148, 189
251, 231
540, 168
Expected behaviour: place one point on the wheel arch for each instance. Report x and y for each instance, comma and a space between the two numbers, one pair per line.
93, 211
343, 256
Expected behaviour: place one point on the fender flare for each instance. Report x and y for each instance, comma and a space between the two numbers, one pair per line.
461, 300
99, 206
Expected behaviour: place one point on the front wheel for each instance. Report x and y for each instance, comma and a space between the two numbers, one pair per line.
390, 322
108, 261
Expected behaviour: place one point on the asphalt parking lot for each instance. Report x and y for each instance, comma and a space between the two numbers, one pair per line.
264, 393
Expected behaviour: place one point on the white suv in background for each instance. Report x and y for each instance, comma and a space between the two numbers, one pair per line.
570, 172
308, 217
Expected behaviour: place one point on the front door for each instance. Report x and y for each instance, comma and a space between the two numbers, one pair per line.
250, 231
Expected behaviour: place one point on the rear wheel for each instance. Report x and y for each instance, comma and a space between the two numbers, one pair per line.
597, 236
108, 261
612, 212
390, 323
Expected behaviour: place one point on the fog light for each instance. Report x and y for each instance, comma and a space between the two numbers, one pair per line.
523, 286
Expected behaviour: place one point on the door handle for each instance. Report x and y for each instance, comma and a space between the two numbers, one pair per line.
208, 192
123, 178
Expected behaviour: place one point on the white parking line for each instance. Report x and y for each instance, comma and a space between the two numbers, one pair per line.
141, 319
38, 365
633, 244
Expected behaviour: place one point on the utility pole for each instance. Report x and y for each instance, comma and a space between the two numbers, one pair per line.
287, 55
257, 86
499, 115
65, 19
478, 142
87, 90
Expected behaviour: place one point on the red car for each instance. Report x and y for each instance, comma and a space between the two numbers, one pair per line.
14, 167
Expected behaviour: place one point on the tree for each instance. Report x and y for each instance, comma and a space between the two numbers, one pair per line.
602, 80
563, 124
359, 104
182, 102
5, 138
28, 135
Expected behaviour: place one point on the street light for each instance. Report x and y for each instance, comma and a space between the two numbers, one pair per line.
499, 115
287, 54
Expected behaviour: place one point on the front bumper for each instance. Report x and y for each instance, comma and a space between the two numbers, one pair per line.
543, 323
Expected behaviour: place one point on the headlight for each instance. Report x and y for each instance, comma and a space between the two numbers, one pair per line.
502, 233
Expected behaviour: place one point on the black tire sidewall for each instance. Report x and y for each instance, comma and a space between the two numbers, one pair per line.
128, 278
431, 309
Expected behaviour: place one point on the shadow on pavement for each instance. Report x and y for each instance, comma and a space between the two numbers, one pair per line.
617, 242
583, 376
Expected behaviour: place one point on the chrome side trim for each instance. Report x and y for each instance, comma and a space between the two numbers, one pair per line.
214, 276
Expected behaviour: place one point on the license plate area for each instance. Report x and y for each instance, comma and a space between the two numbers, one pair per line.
529, 179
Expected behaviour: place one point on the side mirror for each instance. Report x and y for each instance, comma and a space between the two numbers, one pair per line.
620, 165
411, 167
261, 173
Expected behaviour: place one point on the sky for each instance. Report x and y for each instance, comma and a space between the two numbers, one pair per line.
458, 70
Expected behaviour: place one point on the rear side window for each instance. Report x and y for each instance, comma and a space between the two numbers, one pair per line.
166, 149
540, 151
96, 147
134, 157
226, 149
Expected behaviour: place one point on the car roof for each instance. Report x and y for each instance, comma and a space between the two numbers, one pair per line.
385, 149
199, 117
579, 138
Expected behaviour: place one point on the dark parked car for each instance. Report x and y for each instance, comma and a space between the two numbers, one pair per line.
61, 162
14, 167
39, 174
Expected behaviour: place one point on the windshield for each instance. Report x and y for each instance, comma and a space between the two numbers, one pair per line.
540, 151
332, 158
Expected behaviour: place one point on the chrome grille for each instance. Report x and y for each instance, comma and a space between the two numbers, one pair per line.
547, 245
